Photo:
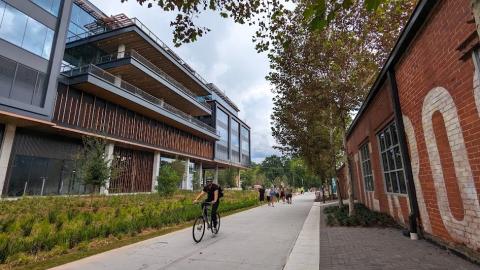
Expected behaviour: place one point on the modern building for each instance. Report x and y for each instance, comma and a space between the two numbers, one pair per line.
67, 70
414, 146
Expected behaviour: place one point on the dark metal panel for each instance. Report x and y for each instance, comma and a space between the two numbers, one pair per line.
33, 143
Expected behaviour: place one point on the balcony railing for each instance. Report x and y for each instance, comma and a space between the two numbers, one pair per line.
125, 22
104, 75
154, 68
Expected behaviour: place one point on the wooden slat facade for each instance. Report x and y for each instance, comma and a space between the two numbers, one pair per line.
134, 171
77, 109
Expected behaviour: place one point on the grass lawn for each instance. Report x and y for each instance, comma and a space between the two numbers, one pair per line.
37, 233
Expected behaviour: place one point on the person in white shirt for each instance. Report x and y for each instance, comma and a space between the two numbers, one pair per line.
269, 199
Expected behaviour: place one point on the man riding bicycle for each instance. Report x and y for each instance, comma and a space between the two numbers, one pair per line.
212, 190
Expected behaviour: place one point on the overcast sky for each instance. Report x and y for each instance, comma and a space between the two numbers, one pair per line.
225, 56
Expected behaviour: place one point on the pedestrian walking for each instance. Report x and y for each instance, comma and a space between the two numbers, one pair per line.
289, 195
261, 193
273, 195
282, 194
269, 198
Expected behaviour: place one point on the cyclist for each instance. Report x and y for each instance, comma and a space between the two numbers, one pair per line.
213, 197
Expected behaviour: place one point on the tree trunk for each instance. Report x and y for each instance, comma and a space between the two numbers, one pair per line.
476, 13
351, 209
339, 194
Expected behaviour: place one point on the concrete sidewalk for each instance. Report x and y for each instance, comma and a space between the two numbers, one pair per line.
305, 254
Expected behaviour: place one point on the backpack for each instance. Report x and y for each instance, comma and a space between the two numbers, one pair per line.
220, 192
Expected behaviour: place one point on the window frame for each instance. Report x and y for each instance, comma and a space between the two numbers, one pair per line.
385, 151
364, 162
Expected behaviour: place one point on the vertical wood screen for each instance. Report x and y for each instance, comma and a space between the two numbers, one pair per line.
84, 111
135, 171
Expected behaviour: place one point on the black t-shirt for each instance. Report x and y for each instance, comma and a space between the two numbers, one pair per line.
210, 191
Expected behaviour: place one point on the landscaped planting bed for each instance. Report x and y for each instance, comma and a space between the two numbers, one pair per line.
35, 229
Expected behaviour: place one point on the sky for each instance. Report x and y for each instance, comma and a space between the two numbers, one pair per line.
225, 56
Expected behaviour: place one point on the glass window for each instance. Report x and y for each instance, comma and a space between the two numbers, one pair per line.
7, 73
23, 31
223, 128
51, 6
235, 138
34, 37
366, 167
40, 90
24, 85
78, 21
47, 48
392, 160
13, 25
245, 137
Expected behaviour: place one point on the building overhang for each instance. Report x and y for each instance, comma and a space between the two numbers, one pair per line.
133, 37
132, 70
99, 87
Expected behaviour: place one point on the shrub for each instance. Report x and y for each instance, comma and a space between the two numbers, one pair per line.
92, 165
363, 217
168, 180
53, 225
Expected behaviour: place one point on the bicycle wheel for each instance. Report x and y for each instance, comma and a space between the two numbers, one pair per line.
198, 229
217, 228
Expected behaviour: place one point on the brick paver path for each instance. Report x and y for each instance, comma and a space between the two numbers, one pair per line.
344, 248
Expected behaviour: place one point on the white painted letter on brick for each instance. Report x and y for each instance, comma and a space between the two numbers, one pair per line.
438, 99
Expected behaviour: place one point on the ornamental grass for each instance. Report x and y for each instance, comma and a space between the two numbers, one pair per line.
54, 225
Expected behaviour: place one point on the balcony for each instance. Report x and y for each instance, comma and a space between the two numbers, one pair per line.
97, 81
133, 67
108, 34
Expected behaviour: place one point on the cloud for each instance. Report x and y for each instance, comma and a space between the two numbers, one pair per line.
226, 56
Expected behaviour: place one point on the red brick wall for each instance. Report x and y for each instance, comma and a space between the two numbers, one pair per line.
374, 119
435, 82
440, 102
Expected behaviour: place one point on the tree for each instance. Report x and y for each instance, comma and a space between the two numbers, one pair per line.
266, 15
226, 178
93, 167
168, 180
321, 77
272, 167
196, 183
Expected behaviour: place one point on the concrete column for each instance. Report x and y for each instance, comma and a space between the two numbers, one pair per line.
215, 179
118, 81
109, 157
121, 51
5, 151
200, 174
187, 181
156, 170
239, 181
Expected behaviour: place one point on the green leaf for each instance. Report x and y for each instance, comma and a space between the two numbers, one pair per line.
347, 4
372, 4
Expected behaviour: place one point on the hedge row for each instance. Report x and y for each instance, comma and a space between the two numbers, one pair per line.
32, 225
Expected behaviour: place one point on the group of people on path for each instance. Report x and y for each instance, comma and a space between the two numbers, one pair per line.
275, 194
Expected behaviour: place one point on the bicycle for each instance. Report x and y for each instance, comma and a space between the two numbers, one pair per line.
198, 229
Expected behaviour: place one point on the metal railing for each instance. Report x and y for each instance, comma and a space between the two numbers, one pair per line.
134, 21
154, 68
110, 78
